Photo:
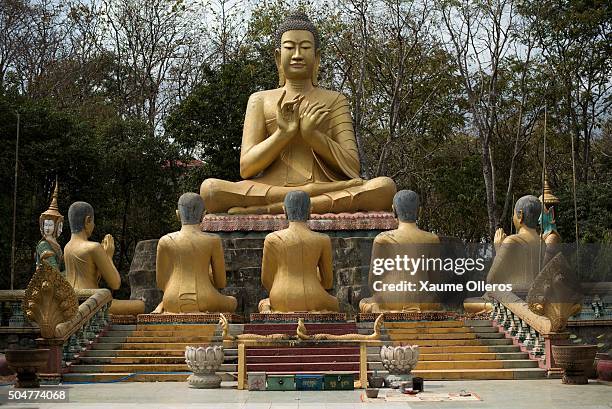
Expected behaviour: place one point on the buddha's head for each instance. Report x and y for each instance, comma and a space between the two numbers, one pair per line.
51, 221
297, 206
81, 218
190, 208
406, 206
527, 212
298, 54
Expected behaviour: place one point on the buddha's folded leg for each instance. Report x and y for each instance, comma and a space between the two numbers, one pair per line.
374, 194
220, 195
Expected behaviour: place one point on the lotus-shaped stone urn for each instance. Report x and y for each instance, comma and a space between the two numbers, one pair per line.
399, 361
204, 363
574, 359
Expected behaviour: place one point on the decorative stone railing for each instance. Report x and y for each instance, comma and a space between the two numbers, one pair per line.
534, 333
68, 321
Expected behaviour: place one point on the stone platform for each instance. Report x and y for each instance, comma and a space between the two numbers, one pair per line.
198, 318
318, 222
295, 316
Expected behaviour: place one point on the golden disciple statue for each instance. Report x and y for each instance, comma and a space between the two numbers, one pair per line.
298, 137
190, 265
297, 264
87, 261
407, 240
518, 257
51, 224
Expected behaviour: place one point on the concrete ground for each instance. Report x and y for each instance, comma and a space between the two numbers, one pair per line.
517, 394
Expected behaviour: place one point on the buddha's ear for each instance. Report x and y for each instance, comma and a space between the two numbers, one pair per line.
520, 216
279, 67
178, 216
315, 69
284, 210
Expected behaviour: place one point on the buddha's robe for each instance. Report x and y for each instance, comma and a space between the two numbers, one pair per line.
419, 245
297, 269
190, 268
87, 262
517, 261
299, 167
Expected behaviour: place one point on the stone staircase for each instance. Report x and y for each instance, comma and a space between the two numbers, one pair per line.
471, 349
146, 353
448, 350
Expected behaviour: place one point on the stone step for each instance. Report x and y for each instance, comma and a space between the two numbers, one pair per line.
148, 345
293, 367
100, 360
455, 335
137, 377
479, 364
147, 352
303, 358
451, 374
288, 351
425, 324
436, 330
180, 339
452, 342
477, 374
469, 349
470, 356
93, 368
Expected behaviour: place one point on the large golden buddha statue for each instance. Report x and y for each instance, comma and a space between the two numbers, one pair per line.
298, 137
87, 261
297, 264
190, 265
407, 240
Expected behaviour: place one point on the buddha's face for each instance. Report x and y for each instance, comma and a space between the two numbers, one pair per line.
48, 227
297, 56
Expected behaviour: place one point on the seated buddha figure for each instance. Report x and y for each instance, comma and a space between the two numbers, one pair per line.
190, 265
297, 264
407, 240
518, 257
87, 261
51, 223
298, 137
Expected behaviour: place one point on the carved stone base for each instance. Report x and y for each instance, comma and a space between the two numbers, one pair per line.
409, 316
318, 222
204, 381
123, 319
195, 318
295, 316
394, 381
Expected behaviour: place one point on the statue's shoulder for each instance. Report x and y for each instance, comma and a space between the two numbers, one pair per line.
261, 96
321, 236
330, 98
386, 237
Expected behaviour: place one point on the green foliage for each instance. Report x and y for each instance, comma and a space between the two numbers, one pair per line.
207, 125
